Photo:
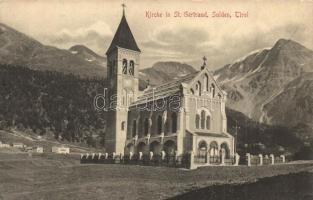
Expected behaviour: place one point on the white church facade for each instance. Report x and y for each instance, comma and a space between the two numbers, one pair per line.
182, 116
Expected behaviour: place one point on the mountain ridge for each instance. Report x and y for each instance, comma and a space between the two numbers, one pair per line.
261, 77
16, 48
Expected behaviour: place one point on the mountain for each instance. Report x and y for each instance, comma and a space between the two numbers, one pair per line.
267, 82
297, 99
161, 72
88, 55
19, 49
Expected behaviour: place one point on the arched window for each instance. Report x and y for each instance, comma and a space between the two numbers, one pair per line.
146, 127
124, 66
197, 121
131, 67
174, 123
202, 119
199, 88
213, 90
206, 82
134, 133
192, 92
159, 125
208, 122
123, 126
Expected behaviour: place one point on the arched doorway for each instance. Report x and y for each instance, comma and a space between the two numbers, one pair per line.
213, 149
156, 148
129, 148
202, 148
169, 147
225, 146
202, 152
141, 147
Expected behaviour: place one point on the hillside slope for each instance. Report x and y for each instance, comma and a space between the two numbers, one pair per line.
19, 49
257, 79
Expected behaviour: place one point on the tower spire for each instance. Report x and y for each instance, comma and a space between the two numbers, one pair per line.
123, 37
124, 6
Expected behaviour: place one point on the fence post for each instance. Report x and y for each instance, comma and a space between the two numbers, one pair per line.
163, 155
283, 158
192, 161
208, 158
248, 158
140, 155
93, 156
261, 159
121, 157
113, 157
99, 156
151, 155
237, 158
272, 159
223, 157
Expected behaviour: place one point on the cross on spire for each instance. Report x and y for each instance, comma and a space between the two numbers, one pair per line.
204, 62
124, 6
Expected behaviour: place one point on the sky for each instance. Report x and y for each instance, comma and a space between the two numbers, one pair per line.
64, 23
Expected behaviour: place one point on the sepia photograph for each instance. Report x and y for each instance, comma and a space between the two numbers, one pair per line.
156, 100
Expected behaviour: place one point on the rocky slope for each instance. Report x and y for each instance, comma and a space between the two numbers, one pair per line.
294, 104
259, 84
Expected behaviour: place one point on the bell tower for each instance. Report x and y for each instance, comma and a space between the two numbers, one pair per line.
123, 57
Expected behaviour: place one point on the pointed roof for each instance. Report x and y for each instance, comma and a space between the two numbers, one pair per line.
123, 38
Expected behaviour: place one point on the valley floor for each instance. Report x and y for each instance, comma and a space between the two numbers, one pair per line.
49, 177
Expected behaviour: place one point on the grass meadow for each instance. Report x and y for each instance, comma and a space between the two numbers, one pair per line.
49, 177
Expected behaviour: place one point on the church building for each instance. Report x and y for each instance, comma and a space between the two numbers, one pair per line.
178, 117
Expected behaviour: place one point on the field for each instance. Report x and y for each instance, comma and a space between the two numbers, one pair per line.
49, 177
46, 142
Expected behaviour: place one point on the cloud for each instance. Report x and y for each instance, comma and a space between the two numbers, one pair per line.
189, 44
95, 36
175, 43
93, 23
